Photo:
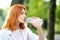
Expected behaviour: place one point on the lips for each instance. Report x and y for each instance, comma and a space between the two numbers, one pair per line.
24, 19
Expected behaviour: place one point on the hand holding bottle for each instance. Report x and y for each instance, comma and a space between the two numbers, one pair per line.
35, 21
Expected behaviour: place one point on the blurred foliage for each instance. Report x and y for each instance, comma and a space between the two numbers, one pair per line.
58, 14
1, 14
39, 8
57, 22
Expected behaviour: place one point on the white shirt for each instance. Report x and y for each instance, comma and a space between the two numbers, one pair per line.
19, 34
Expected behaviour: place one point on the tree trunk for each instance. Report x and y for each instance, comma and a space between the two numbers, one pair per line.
51, 20
17, 2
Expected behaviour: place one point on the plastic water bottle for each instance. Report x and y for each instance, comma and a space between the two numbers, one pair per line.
30, 19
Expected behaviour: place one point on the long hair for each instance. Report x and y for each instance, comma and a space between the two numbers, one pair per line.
11, 20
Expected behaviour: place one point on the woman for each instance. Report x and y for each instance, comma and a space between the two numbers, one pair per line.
14, 27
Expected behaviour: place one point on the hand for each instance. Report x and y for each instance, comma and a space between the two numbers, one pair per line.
37, 22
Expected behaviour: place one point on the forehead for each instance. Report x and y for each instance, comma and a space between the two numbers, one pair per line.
23, 10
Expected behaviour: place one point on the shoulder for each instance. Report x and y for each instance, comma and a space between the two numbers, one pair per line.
2, 32
3, 35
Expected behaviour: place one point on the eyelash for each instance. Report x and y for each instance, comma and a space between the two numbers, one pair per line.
23, 13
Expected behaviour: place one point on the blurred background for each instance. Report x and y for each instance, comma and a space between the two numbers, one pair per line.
39, 8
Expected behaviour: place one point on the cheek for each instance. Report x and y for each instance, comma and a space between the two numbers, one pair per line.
20, 18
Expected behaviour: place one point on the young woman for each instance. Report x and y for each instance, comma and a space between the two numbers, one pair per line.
14, 27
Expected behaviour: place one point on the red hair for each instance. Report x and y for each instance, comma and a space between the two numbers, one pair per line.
11, 19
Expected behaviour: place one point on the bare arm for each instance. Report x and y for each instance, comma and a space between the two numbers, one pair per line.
40, 33
38, 27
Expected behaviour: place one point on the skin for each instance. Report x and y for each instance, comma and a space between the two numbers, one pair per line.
22, 19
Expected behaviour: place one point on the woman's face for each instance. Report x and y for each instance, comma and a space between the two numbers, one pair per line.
22, 17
